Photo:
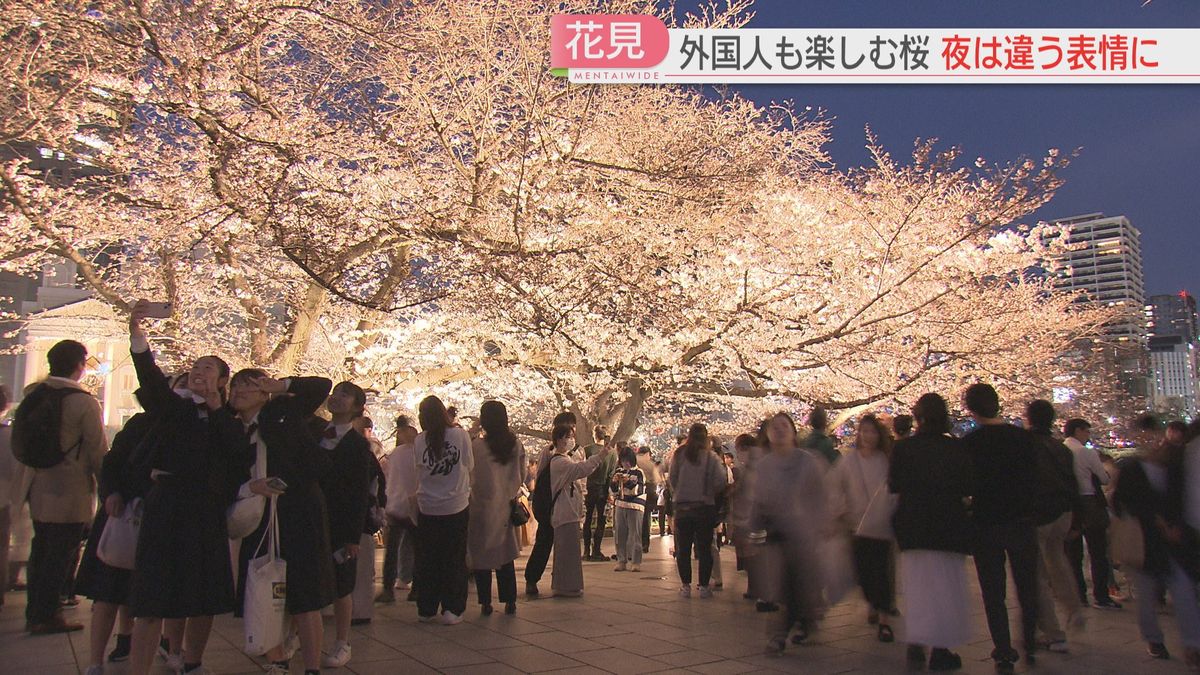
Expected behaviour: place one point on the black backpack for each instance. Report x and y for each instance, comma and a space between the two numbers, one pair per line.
543, 499
37, 427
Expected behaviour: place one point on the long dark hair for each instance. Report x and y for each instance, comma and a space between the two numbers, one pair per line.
501, 441
434, 421
696, 443
884, 444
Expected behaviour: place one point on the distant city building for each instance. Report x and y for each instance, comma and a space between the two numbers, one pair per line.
1171, 323
1104, 268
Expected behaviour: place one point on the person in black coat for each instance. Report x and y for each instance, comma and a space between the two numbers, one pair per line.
1151, 488
276, 415
189, 468
345, 485
933, 479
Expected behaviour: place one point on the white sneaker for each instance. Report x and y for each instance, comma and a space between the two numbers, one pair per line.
290, 646
685, 591
450, 618
339, 657
432, 618
705, 592
635, 568
620, 567
276, 669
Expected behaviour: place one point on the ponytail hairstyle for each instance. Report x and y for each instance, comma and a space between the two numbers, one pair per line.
696, 443
501, 441
434, 422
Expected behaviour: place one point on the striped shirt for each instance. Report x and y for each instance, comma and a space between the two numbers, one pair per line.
629, 488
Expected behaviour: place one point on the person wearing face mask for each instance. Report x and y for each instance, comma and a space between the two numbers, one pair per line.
188, 469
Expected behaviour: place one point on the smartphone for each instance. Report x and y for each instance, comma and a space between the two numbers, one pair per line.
158, 310
340, 555
276, 483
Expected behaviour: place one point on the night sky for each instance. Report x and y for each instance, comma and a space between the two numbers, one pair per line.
1140, 144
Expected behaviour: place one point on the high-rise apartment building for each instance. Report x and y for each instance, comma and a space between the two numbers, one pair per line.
1171, 323
1104, 267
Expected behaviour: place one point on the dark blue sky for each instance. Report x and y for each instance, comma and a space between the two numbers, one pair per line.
1140, 144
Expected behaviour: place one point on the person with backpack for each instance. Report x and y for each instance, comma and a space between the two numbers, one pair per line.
58, 437
540, 500
1058, 507
564, 477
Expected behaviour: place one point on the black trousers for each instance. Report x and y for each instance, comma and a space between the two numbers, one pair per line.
1097, 547
594, 504
872, 567
1018, 543
442, 563
49, 557
543, 542
694, 526
506, 584
646, 516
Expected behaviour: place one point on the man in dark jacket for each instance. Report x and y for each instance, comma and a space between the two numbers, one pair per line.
1057, 508
1006, 487
346, 493
597, 497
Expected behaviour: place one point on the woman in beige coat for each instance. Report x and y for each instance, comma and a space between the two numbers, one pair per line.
566, 478
495, 483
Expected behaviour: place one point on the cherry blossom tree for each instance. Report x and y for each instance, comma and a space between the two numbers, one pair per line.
405, 195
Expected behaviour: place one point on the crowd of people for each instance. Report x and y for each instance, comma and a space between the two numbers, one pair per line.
221, 466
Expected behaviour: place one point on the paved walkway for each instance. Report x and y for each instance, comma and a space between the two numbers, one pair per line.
625, 623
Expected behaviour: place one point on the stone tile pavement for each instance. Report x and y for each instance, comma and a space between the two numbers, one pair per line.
626, 623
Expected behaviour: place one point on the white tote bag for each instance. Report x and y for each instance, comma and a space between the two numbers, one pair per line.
266, 589
118, 542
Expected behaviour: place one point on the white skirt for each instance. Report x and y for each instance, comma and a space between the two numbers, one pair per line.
934, 587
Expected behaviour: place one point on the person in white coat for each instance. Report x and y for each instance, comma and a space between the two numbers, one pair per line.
566, 485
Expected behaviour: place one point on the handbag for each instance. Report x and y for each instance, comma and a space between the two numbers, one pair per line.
244, 515
876, 522
265, 609
118, 542
518, 512
1128, 543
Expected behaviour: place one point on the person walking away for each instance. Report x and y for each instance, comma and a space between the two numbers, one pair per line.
1006, 489
1090, 478
58, 437
492, 539
1150, 487
444, 464
345, 486
933, 479
629, 505
858, 477
1058, 504
596, 500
